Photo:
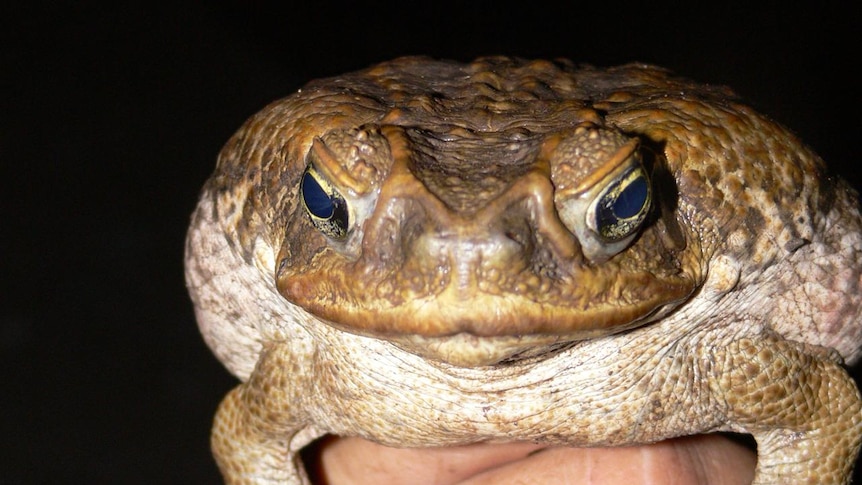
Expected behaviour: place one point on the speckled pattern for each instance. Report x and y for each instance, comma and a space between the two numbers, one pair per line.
472, 298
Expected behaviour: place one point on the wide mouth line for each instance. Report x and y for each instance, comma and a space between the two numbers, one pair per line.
488, 317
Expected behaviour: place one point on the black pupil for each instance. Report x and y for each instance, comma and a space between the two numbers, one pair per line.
631, 200
316, 199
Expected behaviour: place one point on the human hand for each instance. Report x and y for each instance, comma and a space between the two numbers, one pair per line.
703, 459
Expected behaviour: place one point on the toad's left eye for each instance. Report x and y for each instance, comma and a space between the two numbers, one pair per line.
324, 204
619, 210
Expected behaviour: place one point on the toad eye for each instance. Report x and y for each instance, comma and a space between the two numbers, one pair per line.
325, 206
619, 210
604, 203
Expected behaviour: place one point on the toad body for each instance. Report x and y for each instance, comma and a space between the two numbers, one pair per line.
427, 253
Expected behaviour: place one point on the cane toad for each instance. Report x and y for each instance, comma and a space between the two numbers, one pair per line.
427, 253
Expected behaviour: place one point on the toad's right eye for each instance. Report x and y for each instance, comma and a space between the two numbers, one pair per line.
325, 206
622, 206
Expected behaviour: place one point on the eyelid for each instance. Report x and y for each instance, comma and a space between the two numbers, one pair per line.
618, 161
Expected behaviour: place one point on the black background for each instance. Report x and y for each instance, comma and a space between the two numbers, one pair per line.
110, 120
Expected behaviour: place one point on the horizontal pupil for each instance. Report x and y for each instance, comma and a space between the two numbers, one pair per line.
318, 202
631, 200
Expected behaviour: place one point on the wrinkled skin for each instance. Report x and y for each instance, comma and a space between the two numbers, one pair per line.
527, 251
710, 459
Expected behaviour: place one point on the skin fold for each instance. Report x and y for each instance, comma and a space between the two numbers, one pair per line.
691, 460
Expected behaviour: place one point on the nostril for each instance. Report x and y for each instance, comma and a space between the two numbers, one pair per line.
517, 237
518, 227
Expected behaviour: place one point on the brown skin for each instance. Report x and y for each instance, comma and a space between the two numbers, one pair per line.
430, 254
704, 459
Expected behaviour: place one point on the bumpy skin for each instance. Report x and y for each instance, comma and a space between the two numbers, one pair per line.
470, 299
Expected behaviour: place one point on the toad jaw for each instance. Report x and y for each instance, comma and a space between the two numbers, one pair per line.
472, 268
